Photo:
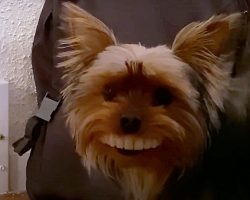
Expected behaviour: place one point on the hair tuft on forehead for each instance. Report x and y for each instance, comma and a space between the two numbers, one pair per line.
135, 68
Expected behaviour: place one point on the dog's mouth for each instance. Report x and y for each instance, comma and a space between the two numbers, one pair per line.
130, 145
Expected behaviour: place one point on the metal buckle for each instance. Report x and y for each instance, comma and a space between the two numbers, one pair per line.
47, 108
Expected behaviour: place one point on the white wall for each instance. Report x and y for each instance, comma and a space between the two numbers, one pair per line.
18, 20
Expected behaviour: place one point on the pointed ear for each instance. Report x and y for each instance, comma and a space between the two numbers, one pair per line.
201, 43
84, 34
210, 48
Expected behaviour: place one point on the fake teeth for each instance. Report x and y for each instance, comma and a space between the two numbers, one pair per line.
130, 143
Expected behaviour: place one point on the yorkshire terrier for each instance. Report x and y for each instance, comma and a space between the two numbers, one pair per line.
139, 113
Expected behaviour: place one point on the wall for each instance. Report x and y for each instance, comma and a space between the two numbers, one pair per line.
18, 20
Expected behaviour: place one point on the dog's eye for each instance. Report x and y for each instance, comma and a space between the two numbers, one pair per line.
108, 93
162, 97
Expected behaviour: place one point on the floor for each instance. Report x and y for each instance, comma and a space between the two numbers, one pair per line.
12, 196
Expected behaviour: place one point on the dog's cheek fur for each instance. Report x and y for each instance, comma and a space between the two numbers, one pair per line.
90, 121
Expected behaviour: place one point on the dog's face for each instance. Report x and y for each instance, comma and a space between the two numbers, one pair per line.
138, 113
140, 103
137, 109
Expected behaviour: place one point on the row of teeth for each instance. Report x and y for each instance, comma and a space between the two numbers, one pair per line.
130, 143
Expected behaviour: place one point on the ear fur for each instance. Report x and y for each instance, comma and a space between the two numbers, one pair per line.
200, 42
209, 47
86, 36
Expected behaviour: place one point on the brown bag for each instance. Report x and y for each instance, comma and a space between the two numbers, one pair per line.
54, 170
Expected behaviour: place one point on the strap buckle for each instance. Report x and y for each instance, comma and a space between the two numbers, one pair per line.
32, 131
34, 125
47, 108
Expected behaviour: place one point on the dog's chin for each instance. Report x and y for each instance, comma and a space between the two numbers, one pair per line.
141, 173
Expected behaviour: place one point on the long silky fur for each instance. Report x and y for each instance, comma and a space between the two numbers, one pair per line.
87, 40
136, 183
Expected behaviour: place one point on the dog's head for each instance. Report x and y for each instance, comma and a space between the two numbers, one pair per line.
137, 113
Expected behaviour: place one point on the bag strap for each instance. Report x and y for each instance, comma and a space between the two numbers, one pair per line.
49, 104
43, 116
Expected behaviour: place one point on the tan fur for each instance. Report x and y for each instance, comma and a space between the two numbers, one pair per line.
201, 45
96, 66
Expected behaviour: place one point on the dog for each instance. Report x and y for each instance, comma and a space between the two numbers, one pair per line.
139, 113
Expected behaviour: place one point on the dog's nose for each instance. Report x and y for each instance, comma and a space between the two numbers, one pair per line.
130, 124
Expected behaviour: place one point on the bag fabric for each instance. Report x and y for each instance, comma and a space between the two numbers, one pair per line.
54, 170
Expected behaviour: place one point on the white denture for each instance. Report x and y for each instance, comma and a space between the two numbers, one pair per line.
130, 143
138, 145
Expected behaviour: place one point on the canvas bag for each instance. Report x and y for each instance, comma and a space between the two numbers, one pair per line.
54, 170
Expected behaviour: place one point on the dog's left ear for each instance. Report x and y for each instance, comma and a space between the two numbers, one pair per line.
211, 49
200, 44
84, 34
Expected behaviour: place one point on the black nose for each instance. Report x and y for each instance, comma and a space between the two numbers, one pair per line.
130, 124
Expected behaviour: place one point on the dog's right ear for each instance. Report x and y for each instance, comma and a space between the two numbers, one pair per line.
85, 35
